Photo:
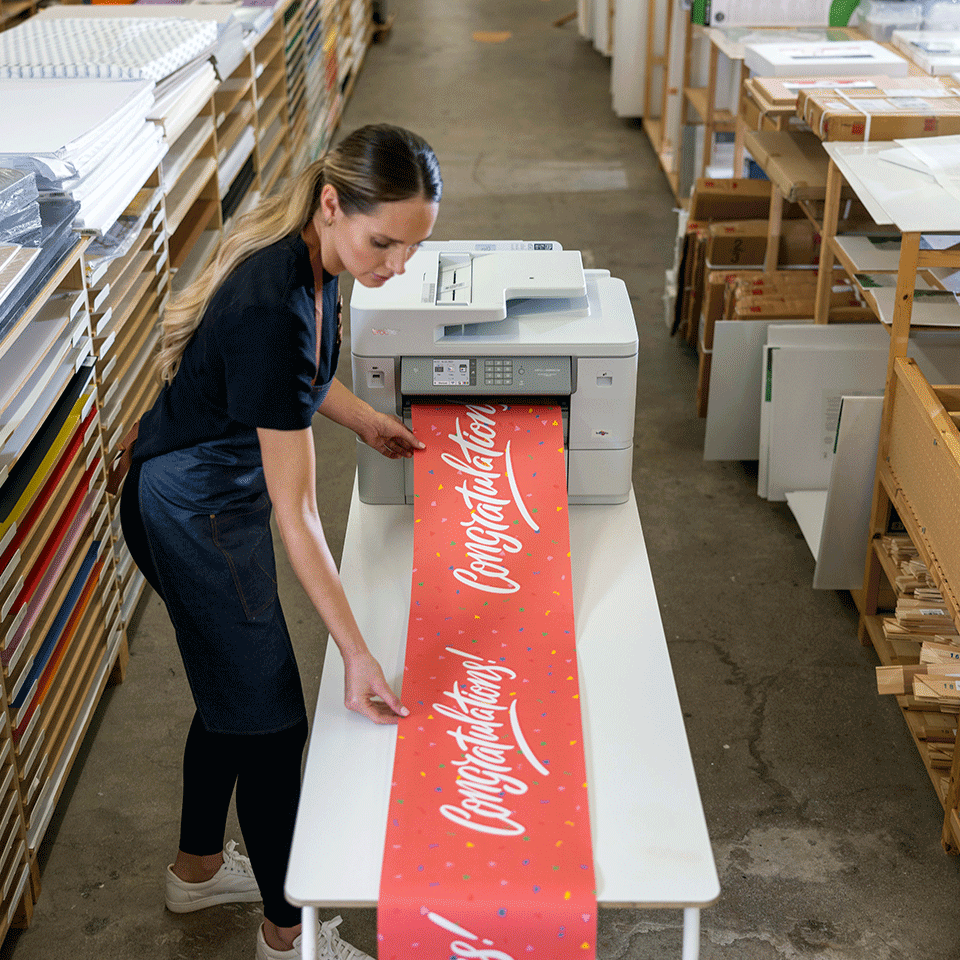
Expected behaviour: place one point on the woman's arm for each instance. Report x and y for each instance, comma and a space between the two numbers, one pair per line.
289, 465
385, 434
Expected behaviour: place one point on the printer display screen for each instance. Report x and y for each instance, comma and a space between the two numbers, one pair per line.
451, 373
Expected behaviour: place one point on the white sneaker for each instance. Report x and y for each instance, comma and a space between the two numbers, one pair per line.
232, 883
329, 946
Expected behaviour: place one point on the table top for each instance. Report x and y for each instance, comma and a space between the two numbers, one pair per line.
650, 841
895, 192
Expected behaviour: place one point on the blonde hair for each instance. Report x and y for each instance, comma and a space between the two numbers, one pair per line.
376, 164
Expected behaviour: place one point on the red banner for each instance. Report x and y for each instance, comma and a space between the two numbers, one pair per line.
488, 852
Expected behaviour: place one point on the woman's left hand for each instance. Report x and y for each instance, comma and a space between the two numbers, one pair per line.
367, 692
388, 436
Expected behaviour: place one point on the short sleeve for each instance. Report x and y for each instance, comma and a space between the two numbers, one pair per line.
266, 337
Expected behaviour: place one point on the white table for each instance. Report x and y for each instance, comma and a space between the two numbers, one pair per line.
650, 842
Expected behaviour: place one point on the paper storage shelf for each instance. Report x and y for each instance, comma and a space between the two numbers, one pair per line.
76, 353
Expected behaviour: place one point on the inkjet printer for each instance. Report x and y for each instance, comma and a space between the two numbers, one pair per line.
500, 322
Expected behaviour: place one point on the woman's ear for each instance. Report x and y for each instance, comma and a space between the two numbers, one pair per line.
329, 203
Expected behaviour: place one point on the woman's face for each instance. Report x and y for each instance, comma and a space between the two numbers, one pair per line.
375, 247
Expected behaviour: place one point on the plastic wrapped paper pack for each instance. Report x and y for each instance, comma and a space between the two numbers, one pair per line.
19, 209
54, 240
115, 242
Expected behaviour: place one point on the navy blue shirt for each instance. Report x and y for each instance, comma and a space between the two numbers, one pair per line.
252, 362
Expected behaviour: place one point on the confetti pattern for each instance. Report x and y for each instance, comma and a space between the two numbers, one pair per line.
488, 850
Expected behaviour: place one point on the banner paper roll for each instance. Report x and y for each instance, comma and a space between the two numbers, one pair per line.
488, 851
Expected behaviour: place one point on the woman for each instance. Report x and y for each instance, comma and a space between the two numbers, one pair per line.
247, 357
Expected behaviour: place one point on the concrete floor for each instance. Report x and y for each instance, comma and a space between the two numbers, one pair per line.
824, 824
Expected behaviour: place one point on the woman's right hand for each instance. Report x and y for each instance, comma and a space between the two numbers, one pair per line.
289, 465
367, 692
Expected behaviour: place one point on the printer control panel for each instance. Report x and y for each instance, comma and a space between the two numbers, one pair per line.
493, 375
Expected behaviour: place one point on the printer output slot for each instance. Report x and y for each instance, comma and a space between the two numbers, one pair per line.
562, 402
408, 402
407, 464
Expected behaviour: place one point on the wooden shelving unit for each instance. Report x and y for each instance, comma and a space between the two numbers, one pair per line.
60, 629
917, 480
13, 12
75, 375
918, 474
657, 106
271, 102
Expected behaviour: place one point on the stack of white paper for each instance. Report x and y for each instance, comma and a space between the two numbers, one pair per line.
89, 140
936, 52
235, 158
182, 92
182, 96
856, 58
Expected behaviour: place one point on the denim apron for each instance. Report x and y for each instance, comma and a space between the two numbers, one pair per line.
206, 520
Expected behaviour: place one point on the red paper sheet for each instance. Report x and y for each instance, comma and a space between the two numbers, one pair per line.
488, 850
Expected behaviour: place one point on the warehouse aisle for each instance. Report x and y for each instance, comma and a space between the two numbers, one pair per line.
824, 824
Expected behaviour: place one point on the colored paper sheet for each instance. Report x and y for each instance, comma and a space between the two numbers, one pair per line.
33, 467
57, 627
52, 654
50, 484
488, 851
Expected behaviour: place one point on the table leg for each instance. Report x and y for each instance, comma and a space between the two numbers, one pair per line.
831, 214
308, 940
740, 128
691, 933
773, 230
708, 120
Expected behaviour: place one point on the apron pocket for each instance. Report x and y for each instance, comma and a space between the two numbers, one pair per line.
244, 539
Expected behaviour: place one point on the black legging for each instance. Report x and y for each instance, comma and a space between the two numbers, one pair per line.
265, 768
266, 771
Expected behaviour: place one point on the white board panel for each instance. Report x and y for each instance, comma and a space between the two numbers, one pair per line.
733, 417
806, 387
842, 545
808, 508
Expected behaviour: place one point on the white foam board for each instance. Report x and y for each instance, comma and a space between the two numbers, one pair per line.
733, 416
841, 548
856, 58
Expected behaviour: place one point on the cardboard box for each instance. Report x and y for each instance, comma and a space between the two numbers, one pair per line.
855, 117
789, 284
788, 308
691, 260
743, 243
783, 92
714, 200
717, 300
735, 199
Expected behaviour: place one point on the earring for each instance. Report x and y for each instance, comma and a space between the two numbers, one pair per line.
330, 222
